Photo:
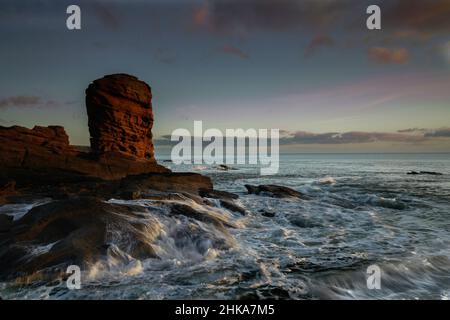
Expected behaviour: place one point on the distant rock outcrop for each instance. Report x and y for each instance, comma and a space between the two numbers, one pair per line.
431, 173
120, 122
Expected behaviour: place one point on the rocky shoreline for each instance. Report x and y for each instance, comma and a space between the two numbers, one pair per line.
40, 163
80, 202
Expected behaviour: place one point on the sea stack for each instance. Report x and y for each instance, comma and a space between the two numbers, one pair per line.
120, 113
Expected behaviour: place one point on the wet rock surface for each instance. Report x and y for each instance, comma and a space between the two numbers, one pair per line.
144, 186
267, 213
230, 205
217, 194
430, 173
84, 231
224, 167
75, 231
274, 191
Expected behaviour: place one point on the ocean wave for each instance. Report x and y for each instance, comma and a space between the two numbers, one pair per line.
377, 201
326, 181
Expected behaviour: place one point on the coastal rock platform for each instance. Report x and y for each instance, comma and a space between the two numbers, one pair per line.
78, 202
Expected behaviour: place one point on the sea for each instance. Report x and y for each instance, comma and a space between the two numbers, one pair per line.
361, 211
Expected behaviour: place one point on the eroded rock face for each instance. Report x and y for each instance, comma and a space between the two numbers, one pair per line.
28, 147
86, 231
75, 231
40, 147
120, 115
43, 155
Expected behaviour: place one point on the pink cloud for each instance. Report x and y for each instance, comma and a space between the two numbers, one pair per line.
227, 49
318, 42
26, 101
389, 56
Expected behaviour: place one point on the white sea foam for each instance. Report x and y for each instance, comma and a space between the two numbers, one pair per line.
18, 210
327, 180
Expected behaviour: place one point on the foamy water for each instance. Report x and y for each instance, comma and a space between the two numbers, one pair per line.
363, 210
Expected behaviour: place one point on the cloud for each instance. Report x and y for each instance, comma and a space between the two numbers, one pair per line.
413, 130
106, 16
419, 15
410, 136
228, 49
439, 133
243, 16
246, 15
19, 101
26, 101
302, 137
403, 21
200, 16
415, 35
382, 55
318, 42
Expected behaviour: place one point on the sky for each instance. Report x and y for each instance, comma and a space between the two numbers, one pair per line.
309, 68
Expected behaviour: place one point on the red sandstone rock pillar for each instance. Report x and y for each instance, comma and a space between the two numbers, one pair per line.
119, 109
